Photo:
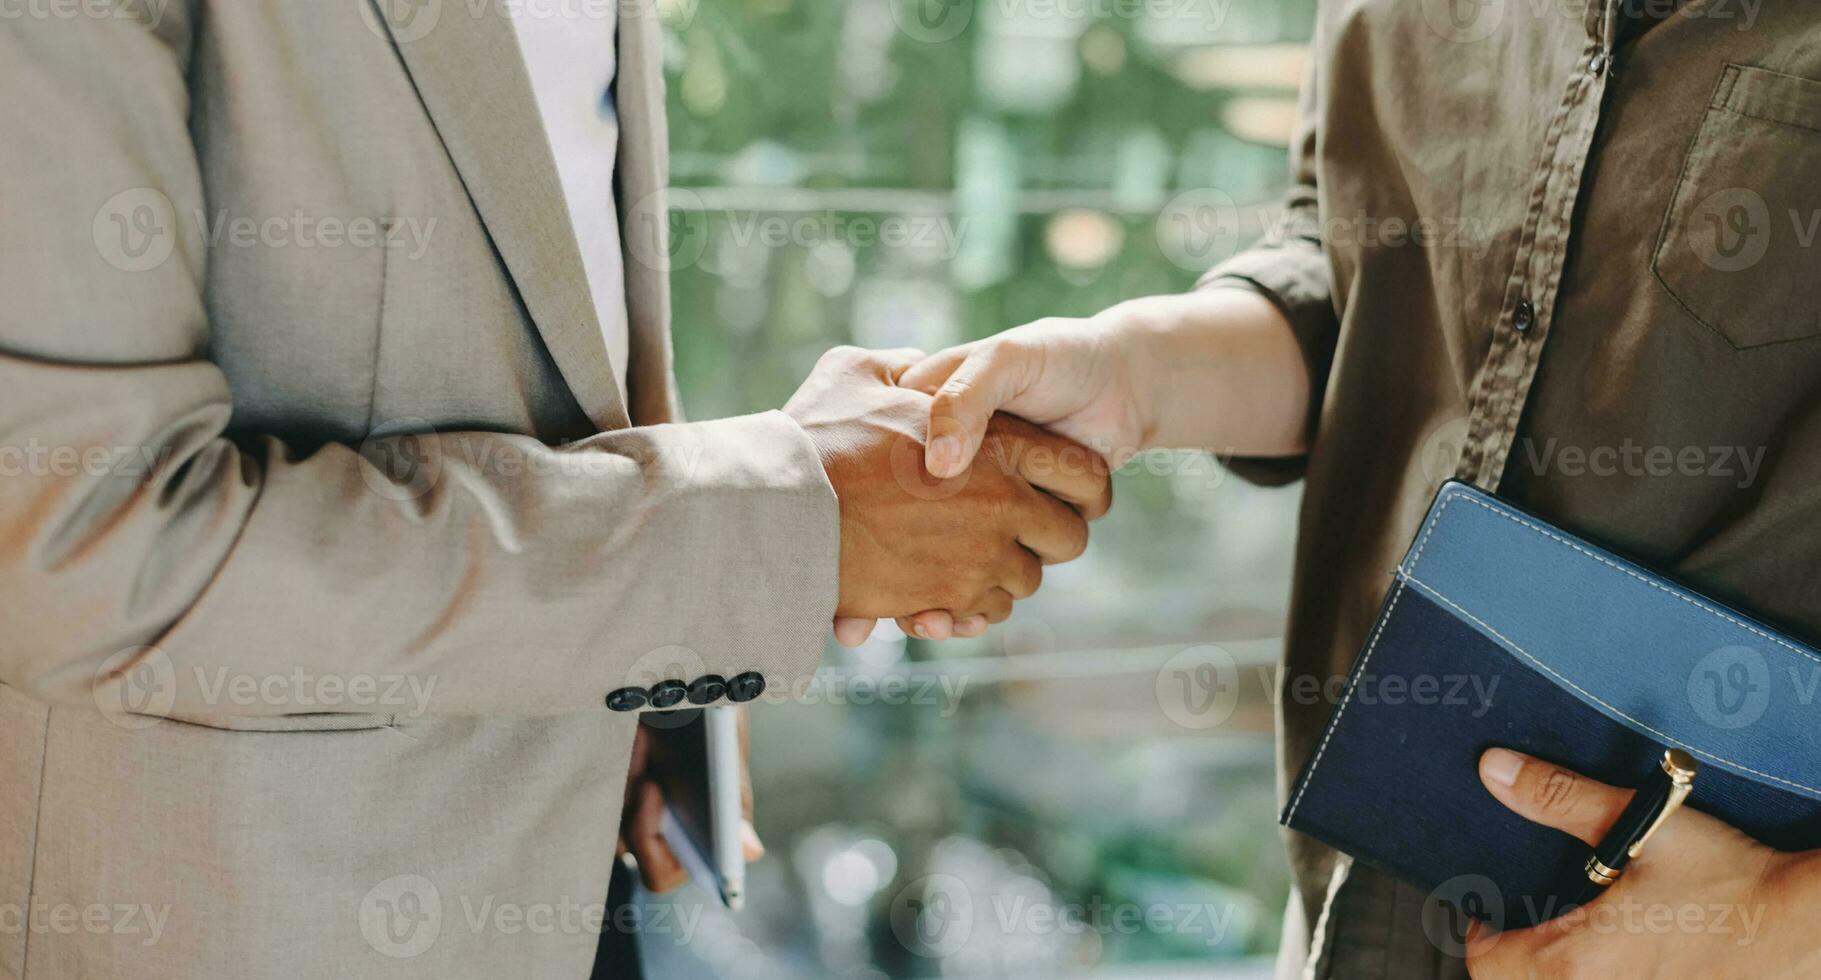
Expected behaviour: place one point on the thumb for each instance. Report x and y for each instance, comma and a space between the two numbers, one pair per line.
963, 406
1552, 796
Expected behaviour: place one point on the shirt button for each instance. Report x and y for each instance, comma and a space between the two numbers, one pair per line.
626, 699
745, 687
707, 688
1598, 64
666, 694
1523, 316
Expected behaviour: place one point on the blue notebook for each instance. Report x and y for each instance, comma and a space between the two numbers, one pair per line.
1501, 630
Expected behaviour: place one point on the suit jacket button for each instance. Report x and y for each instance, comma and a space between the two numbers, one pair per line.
667, 694
707, 688
627, 699
745, 687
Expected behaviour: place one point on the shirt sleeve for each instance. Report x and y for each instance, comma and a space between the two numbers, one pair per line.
1289, 266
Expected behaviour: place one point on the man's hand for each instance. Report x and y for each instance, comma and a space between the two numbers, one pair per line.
642, 815
1073, 376
1702, 901
973, 543
1212, 369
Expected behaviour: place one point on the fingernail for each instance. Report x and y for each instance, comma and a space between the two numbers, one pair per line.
921, 630
749, 842
944, 453
1501, 766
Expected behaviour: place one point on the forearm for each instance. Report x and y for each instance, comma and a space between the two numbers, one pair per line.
504, 574
1216, 369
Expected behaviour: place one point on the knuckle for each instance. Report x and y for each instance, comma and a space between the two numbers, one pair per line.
956, 392
1558, 791
995, 450
1077, 543
842, 357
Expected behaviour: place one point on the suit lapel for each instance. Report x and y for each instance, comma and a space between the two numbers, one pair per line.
472, 81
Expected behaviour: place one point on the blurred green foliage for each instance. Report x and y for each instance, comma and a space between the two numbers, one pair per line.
848, 174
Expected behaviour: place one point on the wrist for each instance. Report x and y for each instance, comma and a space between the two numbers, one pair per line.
1220, 369
1139, 338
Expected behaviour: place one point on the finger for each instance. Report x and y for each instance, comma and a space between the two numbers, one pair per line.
894, 362
968, 627
928, 374
1025, 573
641, 754
658, 864
930, 624
750, 846
1480, 938
1055, 464
1051, 529
964, 403
851, 631
1553, 796
993, 607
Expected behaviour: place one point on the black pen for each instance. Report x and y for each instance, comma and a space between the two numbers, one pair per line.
1662, 793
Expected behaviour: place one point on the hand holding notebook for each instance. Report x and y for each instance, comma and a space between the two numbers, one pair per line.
1601, 668
1704, 900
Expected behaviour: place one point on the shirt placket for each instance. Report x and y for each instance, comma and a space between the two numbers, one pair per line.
1502, 385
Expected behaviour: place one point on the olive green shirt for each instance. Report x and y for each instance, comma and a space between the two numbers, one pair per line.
1564, 250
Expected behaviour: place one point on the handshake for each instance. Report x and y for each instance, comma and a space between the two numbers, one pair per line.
942, 554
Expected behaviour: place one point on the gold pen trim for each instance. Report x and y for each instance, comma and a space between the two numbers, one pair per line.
1600, 874
1681, 768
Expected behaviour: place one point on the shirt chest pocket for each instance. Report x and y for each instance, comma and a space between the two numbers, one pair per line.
1739, 243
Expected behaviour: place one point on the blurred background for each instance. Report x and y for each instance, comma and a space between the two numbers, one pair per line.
1087, 790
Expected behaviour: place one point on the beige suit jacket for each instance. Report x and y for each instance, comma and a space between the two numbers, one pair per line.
285, 691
